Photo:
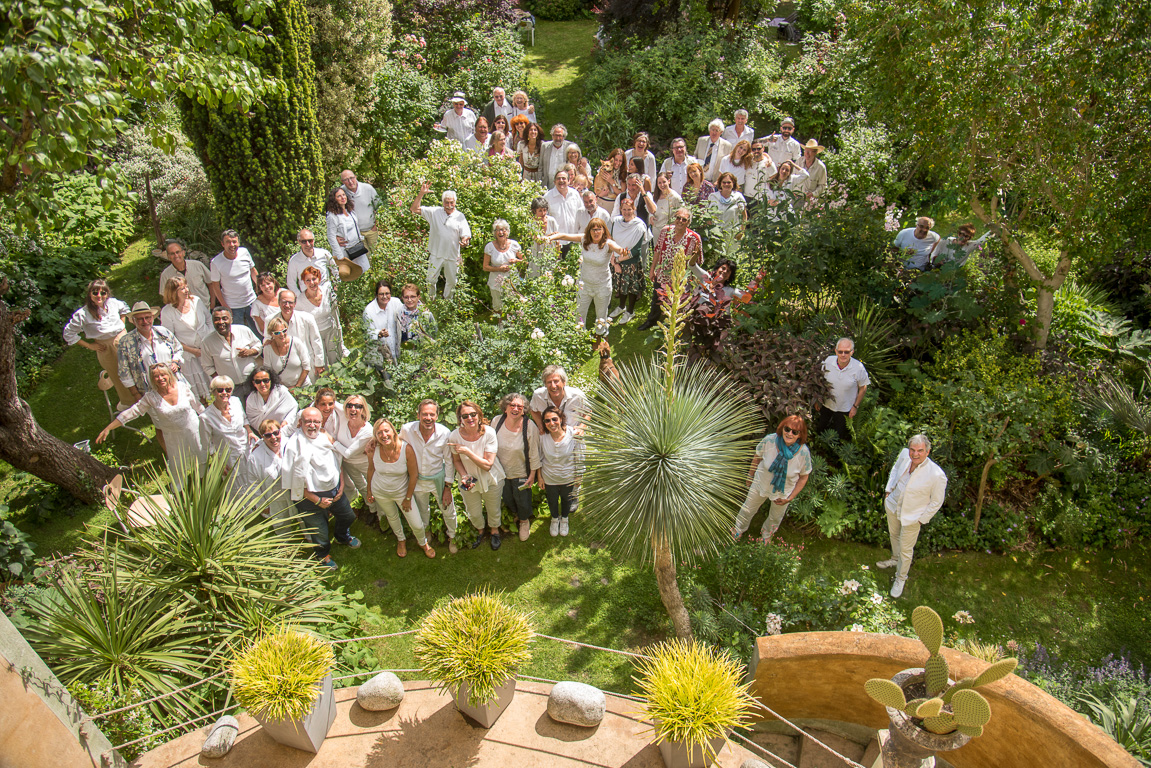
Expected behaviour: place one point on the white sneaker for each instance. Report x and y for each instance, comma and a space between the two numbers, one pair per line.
616, 313
897, 587
555, 528
886, 563
563, 526
627, 318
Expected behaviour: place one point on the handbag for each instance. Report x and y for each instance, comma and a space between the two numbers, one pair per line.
357, 250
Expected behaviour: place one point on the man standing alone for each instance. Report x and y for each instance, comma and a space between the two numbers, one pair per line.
849, 380
915, 491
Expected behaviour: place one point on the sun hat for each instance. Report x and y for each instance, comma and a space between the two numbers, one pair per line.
813, 144
140, 307
459, 96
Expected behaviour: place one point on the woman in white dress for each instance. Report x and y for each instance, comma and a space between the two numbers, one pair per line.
667, 202
186, 316
596, 263
731, 206
343, 232
264, 470
267, 305
175, 411
352, 437
101, 321
287, 356
224, 422
269, 399
474, 447
317, 302
500, 256
737, 161
392, 474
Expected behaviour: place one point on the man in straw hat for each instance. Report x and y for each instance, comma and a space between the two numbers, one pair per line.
459, 121
144, 346
816, 182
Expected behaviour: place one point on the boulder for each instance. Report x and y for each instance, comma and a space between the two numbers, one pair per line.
382, 692
220, 738
577, 704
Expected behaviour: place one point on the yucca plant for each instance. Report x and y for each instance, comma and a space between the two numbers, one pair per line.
279, 676
694, 694
476, 640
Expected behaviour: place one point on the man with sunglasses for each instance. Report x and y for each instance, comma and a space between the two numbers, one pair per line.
309, 256
848, 380
760, 169
315, 481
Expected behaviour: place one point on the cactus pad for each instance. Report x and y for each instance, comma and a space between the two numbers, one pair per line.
944, 723
935, 674
996, 671
929, 708
885, 692
929, 628
962, 685
970, 708
974, 731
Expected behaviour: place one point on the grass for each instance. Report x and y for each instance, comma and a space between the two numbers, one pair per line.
557, 65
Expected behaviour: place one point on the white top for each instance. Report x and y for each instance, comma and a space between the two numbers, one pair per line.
574, 403
321, 260
312, 465
487, 442
390, 478
815, 182
280, 405
109, 326
564, 209
219, 357
648, 162
552, 158
364, 201
295, 361
263, 468
432, 456
302, 327
264, 312
562, 462
595, 268
229, 434
377, 319
333, 421
500, 258
344, 225
510, 450
756, 177
472, 144
950, 250
907, 239
459, 126
739, 171
920, 493
351, 447
550, 228
323, 314
730, 210
234, 277
729, 133
728, 292
665, 208
783, 149
190, 326
628, 233
196, 274
583, 218
678, 171
798, 465
845, 383
445, 232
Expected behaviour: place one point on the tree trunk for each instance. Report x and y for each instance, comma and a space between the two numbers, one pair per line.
669, 591
991, 462
156, 230
24, 444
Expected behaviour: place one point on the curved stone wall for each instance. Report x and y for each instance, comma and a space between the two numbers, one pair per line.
821, 675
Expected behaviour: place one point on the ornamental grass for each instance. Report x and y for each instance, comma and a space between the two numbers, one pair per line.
279, 676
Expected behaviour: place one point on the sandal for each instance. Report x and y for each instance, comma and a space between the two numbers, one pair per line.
402, 548
429, 551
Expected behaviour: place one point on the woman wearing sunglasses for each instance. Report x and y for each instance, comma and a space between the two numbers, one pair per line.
779, 471
264, 468
224, 421
101, 321
352, 435
474, 448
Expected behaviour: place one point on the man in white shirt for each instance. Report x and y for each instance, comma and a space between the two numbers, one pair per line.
555, 391
459, 121
740, 131
309, 256
553, 155
365, 201
589, 210
232, 279
448, 232
564, 204
815, 182
677, 164
232, 351
782, 146
711, 149
848, 380
634, 192
313, 476
499, 105
429, 440
302, 328
480, 139
194, 273
915, 490
917, 243
760, 169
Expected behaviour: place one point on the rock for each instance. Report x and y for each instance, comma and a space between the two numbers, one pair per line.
573, 613
751, 762
220, 738
576, 703
384, 691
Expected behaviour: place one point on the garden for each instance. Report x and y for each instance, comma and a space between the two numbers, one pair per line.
1028, 366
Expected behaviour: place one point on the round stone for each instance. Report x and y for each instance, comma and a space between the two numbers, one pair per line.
382, 692
577, 704
221, 737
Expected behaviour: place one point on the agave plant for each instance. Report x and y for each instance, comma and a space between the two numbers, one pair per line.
478, 641
668, 446
278, 676
948, 707
694, 693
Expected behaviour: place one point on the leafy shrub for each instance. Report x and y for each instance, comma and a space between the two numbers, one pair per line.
607, 123
865, 159
16, 549
1093, 328
558, 10
124, 727
1125, 273
1114, 677
82, 219
754, 571
781, 372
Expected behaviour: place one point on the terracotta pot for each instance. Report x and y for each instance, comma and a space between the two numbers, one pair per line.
909, 744
308, 732
486, 715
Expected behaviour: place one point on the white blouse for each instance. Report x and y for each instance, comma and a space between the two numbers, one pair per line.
324, 316
108, 326
227, 434
487, 442
563, 461
191, 326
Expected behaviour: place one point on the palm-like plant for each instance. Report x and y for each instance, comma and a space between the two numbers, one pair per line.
668, 447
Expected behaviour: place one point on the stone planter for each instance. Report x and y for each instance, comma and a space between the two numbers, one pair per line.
308, 732
676, 754
486, 715
909, 745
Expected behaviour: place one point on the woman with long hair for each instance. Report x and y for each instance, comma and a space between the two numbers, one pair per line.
641, 150
696, 188
343, 231
269, 399
392, 475
561, 468
518, 449
267, 303
101, 322
599, 253
319, 302
610, 180
667, 201
352, 437
529, 153
186, 316
474, 447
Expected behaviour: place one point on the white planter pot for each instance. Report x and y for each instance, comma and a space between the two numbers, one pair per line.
308, 732
676, 754
486, 715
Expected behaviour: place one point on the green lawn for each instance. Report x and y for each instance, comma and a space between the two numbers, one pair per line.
556, 68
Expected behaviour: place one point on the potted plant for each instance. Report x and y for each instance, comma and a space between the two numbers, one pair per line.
284, 680
929, 712
472, 648
695, 698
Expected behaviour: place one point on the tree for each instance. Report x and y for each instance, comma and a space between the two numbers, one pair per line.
667, 453
1034, 112
264, 164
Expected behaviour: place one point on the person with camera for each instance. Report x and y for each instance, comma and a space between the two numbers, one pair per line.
474, 446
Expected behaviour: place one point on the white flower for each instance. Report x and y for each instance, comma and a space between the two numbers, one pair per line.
856, 627
876, 598
602, 326
537, 333
865, 567
548, 274
849, 587
568, 281
580, 284
963, 617
556, 352
773, 624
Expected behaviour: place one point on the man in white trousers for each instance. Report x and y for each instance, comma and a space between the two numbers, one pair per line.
915, 491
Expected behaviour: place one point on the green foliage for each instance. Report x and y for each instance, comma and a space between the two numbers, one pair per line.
405, 101
558, 10
694, 694
265, 164
756, 571
278, 676
781, 372
1125, 273
866, 159
124, 727
607, 123
85, 219
478, 641
16, 549
1093, 329
1128, 721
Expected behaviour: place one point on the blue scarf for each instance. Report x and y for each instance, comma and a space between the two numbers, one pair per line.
784, 454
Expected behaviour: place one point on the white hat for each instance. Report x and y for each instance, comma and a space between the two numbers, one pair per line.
140, 307
458, 96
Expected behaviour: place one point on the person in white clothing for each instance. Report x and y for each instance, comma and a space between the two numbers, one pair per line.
521, 106
848, 380
448, 232
224, 423
677, 164
815, 183
289, 357
349, 249
553, 155
232, 350
187, 317
629, 231
382, 326
429, 440
195, 272
264, 470
739, 130
915, 490
364, 202
268, 398
563, 203
352, 436
232, 278
545, 224
392, 475
711, 149
499, 105
310, 256
589, 209
333, 417
599, 255
759, 171
561, 467
480, 139
319, 301
917, 243
641, 150
779, 471
302, 328
500, 257
783, 146
958, 249
101, 321
267, 303
474, 448
555, 391
459, 121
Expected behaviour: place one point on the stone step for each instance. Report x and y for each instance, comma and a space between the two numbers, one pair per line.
812, 755
786, 746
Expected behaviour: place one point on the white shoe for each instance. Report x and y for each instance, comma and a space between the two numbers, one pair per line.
555, 528
563, 526
627, 318
897, 587
616, 313
886, 563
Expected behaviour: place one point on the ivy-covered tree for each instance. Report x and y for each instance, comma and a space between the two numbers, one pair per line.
264, 164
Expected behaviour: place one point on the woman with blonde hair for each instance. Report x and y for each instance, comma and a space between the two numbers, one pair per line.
264, 469
267, 304
186, 316
574, 155
224, 422
101, 321
352, 436
392, 474
287, 356
599, 256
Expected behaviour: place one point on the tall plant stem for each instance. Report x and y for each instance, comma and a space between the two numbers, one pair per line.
669, 590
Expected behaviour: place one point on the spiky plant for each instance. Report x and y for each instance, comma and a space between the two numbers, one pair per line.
947, 707
478, 640
667, 452
278, 676
694, 692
